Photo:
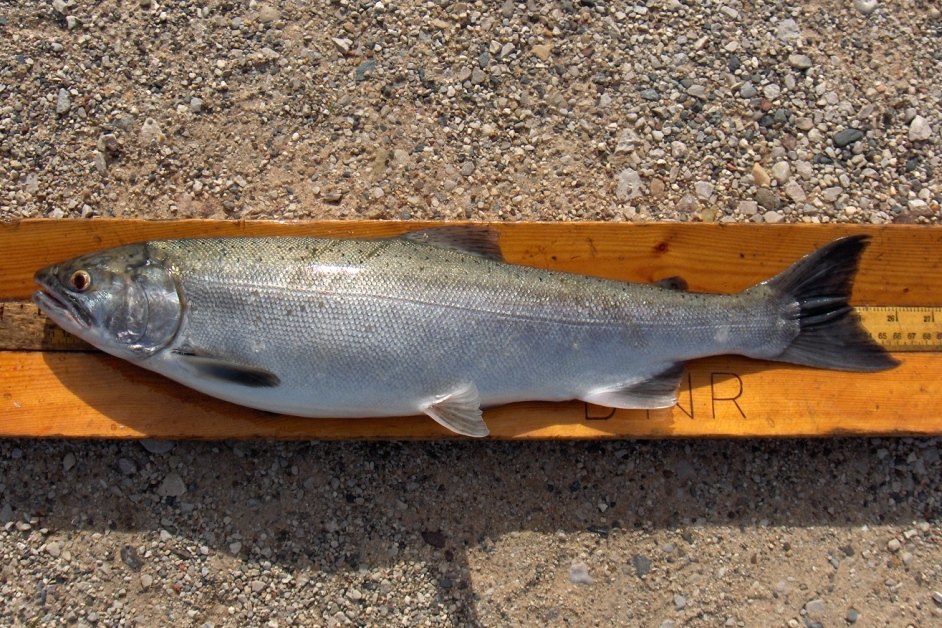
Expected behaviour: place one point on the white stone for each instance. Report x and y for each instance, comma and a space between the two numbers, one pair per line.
748, 208
781, 172
151, 132
629, 184
788, 31
866, 7
919, 129
795, 192
703, 190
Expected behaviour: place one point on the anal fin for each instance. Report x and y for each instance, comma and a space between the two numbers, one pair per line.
658, 391
459, 411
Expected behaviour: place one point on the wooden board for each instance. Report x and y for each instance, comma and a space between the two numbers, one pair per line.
72, 394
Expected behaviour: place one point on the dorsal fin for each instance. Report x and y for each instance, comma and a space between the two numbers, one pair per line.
672, 283
475, 240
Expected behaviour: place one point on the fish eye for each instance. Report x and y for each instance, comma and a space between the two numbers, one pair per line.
81, 281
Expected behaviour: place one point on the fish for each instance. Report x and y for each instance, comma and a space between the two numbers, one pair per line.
435, 322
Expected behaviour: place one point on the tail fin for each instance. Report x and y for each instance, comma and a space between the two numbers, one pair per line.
829, 337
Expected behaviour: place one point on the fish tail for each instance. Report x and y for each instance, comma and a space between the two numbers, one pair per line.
829, 335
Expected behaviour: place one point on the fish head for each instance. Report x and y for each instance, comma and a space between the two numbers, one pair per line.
118, 300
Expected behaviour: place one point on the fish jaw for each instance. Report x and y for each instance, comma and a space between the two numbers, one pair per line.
64, 310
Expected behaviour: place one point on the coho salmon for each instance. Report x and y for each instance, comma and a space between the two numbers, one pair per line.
434, 322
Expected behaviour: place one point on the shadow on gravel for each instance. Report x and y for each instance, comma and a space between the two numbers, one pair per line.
337, 507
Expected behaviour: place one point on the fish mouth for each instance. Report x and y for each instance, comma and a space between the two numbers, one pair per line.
63, 308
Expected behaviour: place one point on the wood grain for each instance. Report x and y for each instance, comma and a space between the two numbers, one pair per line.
93, 395
90, 395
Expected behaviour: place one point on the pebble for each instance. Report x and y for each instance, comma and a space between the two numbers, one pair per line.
657, 188
703, 189
760, 176
937, 598
866, 7
196, 104
919, 129
54, 549
68, 461
127, 466
157, 446
108, 143
831, 194
98, 160
687, 205
748, 208
628, 184
748, 90
772, 91
467, 169
799, 62
650, 94
63, 101
579, 574
893, 545
788, 31
795, 192
642, 565
852, 615
846, 137
172, 486
342, 44
680, 602
781, 172
542, 51
146, 581
365, 69
697, 91
772, 217
268, 14
151, 132
815, 607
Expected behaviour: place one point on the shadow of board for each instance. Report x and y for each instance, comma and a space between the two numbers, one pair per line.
330, 507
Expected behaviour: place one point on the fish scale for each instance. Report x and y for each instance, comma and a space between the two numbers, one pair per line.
435, 322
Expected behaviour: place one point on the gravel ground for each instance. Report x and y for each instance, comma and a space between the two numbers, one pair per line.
823, 111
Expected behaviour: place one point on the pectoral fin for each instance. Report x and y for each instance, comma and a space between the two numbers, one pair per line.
659, 391
231, 372
459, 411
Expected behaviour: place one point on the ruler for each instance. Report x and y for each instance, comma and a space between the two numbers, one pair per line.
903, 328
900, 329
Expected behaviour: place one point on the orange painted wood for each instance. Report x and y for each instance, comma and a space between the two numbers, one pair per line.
90, 395
93, 395
901, 267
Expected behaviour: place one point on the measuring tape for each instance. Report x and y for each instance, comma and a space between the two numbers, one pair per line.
903, 328
898, 329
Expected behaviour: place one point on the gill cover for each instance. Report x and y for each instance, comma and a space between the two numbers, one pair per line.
150, 315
